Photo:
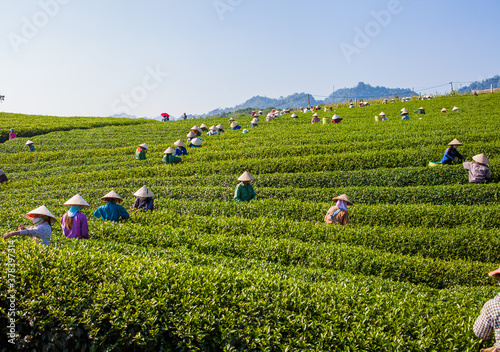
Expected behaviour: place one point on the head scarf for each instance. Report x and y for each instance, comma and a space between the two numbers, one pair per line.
73, 210
341, 205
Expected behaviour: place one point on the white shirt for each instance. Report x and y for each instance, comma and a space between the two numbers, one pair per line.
40, 230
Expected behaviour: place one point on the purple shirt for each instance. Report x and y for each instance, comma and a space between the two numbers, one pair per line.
12, 135
80, 228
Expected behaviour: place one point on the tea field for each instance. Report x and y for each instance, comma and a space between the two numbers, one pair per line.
200, 273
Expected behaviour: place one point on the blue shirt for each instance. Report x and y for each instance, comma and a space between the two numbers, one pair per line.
111, 211
180, 151
450, 154
236, 128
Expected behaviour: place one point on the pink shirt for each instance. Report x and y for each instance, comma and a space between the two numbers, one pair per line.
12, 135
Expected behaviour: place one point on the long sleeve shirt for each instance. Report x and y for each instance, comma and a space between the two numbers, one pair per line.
478, 173
179, 151
79, 229
31, 148
171, 159
145, 205
41, 230
334, 215
140, 154
450, 154
12, 135
112, 212
244, 193
488, 321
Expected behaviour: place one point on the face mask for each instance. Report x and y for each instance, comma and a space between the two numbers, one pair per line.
37, 220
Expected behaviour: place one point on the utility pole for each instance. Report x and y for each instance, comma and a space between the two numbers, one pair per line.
451, 83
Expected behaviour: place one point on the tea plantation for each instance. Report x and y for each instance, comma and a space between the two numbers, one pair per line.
409, 273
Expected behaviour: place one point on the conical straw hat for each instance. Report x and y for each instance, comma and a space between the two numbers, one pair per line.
231, 119
336, 117
455, 108
195, 128
213, 128
234, 124
381, 114
77, 200
196, 142
246, 177
112, 195
43, 211
220, 127
190, 135
404, 111
203, 125
29, 142
481, 158
455, 142
294, 115
255, 121
444, 110
144, 192
315, 114
169, 150
179, 143
344, 198
421, 108
144, 145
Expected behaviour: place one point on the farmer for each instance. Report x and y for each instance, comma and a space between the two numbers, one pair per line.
74, 223
235, 125
195, 143
169, 158
111, 211
140, 153
336, 119
444, 110
3, 177
455, 109
254, 122
184, 117
479, 172
244, 191
451, 153
181, 148
12, 134
31, 147
315, 118
190, 136
404, 114
42, 220
144, 200
220, 128
487, 322
338, 213
203, 127
213, 131
196, 130
420, 110
294, 116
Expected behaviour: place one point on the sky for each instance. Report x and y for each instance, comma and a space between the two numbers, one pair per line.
142, 58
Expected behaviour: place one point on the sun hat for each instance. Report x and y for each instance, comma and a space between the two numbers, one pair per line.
190, 135
169, 150
196, 142
381, 114
294, 115
220, 127
336, 117
29, 142
77, 200
40, 211
213, 128
404, 111
444, 110
144, 192
255, 121
179, 143
455, 108
455, 142
195, 128
144, 145
246, 177
234, 124
421, 108
112, 195
203, 125
344, 198
244, 131
231, 119
481, 158
315, 114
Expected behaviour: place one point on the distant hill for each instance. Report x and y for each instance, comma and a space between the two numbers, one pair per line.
297, 100
484, 84
124, 115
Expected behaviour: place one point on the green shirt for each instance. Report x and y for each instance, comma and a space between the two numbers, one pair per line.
172, 159
140, 155
244, 193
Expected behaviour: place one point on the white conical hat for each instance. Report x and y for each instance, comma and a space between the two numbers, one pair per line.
144, 145
455, 108
77, 200
246, 177
294, 115
203, 125
315, 114
112, 195
144, 192
213, 128
179, 143
231, 119
196, 142
344, 198
29, 142
421, 108
336, 117
455, 142
260, 111
234, 124
43, 211
381, 114
220, 127
195, 128
404, 110
444, 110
169, 150
255, 121
481, 158
190, 135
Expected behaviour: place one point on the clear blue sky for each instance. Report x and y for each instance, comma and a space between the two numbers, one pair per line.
98, 58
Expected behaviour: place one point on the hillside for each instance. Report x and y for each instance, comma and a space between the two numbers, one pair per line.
482, 85
409, 272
